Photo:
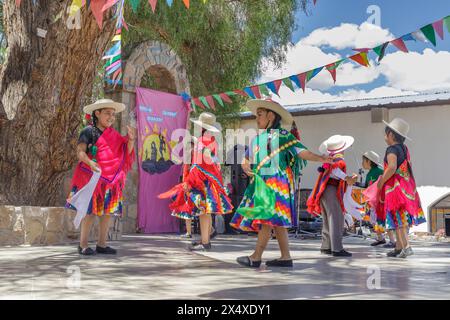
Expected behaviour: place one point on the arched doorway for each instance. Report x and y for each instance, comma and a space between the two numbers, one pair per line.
440, 215
156, 66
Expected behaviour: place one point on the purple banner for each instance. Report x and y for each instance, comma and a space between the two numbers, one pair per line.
158, 115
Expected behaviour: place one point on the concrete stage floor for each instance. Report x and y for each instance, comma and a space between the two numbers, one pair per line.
160, 267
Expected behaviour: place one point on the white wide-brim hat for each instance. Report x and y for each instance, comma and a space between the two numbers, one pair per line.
372, 156
104, 104
268, 104
400, 126
207, 121
336, 144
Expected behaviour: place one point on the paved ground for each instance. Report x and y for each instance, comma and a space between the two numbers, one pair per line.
159, 267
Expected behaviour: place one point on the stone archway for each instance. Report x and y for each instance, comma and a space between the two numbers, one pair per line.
160, 62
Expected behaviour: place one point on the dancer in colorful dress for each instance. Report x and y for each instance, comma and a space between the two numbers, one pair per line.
101, 151
371, 162
202, 193
327, 197
277, 158
399, 203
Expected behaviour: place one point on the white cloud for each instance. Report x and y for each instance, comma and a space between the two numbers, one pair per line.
348, 35
429, 70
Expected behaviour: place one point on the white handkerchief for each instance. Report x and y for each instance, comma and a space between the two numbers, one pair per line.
351, 206
82, 198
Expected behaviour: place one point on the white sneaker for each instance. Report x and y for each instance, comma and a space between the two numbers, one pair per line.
406, 252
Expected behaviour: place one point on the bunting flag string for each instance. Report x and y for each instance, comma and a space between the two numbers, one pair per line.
298, 81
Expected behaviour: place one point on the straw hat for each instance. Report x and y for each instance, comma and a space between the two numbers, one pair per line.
372, 156
400, 126
336, 144
269, 104
103, 104
207, 121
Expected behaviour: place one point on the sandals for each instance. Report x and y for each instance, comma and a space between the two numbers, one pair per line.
247, 262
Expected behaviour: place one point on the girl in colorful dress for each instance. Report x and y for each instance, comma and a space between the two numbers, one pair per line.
399, 203
274, 161
327, 197
202, 192
102, 149
371, 162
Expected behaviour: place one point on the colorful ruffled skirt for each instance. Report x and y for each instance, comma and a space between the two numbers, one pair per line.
284, 211
204, 200
109, 204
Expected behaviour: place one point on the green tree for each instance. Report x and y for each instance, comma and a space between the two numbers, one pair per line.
220, 43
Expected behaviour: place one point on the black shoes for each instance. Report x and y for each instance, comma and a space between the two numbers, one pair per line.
86, 251
378, 242
106, 250
247, 262
280, 263
325, 251
342, 253
394, 253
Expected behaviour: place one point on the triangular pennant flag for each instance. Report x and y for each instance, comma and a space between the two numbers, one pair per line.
287, 82
225, 97
312, 73
18, 2
428, 32
408, 37
418, 35
169, 2
263, 90
211, 102
255, 90
96, 7
296, 80
447, 23
274, 86
153, 4
380, 50
249, 92
362, 50
241, 93
186, 3
439, 28
302, 78
332, 69
134, 5
204, 101
361, 58
75, 7
109, 4
198, 103
219, 100
399, 44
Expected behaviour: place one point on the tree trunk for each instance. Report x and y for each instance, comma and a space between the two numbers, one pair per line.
44, 83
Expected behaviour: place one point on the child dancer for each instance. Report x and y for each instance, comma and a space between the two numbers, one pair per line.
101, 149
268, 201
371, 162
327, 197
202, 193
399, 206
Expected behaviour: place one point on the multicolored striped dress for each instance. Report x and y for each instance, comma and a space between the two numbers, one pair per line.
206, 193
399, 204
270, 197
110, 152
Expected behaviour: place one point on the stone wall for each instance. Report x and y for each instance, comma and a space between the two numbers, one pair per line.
44, 226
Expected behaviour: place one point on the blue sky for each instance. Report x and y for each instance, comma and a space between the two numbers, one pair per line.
321, 38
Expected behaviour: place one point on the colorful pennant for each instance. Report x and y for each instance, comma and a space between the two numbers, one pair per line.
424, 34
